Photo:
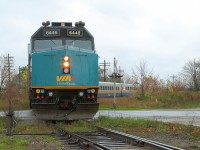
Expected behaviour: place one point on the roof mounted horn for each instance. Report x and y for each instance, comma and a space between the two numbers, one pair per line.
80, 24
45, 24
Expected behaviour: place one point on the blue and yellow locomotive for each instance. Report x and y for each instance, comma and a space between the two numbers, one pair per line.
63, 72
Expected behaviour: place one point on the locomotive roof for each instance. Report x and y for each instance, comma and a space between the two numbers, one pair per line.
62, 30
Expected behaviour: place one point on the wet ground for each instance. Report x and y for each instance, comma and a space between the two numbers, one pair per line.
187, 116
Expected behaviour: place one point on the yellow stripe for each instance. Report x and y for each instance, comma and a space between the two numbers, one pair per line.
64, 87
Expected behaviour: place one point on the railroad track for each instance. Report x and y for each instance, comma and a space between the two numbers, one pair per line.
103, 139
107, 139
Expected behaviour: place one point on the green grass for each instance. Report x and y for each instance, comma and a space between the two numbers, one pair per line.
13, 143
140, 127
78, 126
39, 127
125, 123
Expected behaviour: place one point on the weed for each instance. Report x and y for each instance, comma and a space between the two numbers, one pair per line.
13, 143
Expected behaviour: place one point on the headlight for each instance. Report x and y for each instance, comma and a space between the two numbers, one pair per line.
81, 94
66, 70
66, 58
66, 64
50, 94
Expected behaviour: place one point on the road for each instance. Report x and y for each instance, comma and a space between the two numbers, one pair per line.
188, 117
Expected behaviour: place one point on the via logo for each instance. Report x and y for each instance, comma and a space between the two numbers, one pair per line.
65, 78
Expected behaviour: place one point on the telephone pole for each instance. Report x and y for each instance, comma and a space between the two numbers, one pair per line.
173, 79
9, 65
104, 64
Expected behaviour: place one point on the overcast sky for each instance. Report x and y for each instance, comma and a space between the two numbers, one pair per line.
164, 33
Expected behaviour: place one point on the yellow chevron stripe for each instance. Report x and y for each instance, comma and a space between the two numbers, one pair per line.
64, 87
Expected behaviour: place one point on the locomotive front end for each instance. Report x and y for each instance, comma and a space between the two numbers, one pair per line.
64, 73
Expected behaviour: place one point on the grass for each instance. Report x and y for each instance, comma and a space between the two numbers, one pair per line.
162, 100
177, 101
13, 143
26, 127
79, 126
3, 124
37, 127
141, 127
18, 104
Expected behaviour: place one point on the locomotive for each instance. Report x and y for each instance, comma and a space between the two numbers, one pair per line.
63, 72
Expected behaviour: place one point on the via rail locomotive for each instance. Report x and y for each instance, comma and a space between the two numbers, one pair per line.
63, 72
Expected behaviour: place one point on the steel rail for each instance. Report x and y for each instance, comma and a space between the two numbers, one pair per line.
138, 140
87, 143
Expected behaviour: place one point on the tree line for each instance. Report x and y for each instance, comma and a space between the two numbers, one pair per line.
148, 82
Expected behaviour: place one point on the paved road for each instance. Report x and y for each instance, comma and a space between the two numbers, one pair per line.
189, 117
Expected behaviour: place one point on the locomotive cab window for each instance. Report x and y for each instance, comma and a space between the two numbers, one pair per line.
45, 44
81, 44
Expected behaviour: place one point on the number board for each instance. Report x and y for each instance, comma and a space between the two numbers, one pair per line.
74, 33
51, 32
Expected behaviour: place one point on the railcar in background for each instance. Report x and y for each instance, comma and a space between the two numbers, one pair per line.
106, 89
63, 72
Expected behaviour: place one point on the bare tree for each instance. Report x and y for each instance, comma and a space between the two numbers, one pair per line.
141, 75
190, 74
127, 78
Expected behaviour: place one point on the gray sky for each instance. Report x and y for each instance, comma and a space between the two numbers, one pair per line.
164, 33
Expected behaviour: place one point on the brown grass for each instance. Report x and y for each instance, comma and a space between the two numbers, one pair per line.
180, 99
129, 103
16, 104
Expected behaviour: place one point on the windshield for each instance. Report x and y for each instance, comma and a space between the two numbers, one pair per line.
40, 45
81, 44
45, 44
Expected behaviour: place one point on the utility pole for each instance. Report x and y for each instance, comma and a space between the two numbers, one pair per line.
173, 79
9, 65
19, 78
104, 64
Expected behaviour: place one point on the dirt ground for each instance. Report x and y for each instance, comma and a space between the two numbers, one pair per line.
36, 143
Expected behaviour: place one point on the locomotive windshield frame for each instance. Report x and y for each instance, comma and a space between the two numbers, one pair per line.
62, 35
